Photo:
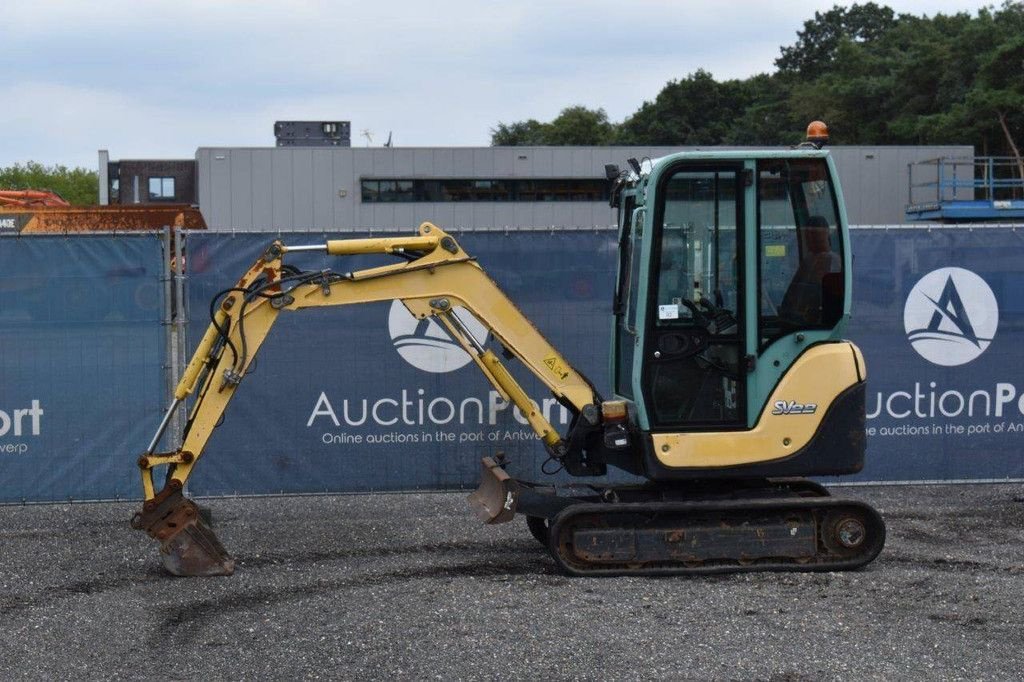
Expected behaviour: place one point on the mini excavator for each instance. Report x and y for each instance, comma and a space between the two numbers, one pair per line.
732, 382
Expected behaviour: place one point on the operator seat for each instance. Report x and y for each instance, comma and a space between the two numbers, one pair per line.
817, 285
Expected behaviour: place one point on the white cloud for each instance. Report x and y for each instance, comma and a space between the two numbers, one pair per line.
158, 79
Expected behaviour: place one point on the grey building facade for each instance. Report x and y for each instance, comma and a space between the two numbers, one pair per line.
375, 188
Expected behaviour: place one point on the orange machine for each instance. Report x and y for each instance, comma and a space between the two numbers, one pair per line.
31, 198
26, 218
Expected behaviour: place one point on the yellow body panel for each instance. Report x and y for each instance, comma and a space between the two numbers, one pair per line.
187, 384
816, 378
518, 396
463, 284
350, 247
862, 368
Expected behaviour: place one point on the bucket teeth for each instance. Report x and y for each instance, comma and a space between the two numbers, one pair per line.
188, 546
497, 495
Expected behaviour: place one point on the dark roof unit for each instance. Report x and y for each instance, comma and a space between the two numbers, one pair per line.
313, 133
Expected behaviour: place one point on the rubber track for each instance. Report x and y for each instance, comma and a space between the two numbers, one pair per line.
796, 534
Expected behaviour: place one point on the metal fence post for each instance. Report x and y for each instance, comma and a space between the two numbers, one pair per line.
168, 316
180, 320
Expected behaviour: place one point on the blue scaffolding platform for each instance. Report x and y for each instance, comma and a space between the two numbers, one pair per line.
978, 189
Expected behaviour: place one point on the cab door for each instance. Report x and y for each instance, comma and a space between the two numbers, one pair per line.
803, 264
694, 366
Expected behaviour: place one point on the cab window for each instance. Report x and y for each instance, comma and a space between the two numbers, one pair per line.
800, 249
625, 298
694, 377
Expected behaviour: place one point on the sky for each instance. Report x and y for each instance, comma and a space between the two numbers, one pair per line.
156, 79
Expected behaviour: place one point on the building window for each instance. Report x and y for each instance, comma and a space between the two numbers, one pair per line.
483, 189
161, 189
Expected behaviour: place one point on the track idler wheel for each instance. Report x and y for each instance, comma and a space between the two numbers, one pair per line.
188, 546
844, 533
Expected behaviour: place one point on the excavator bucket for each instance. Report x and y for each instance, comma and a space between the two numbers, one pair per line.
495, 498
188, 546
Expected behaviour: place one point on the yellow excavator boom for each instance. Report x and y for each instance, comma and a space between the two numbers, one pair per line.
438, 279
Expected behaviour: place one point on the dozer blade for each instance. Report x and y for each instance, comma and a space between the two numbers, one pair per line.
494, 500
188, 546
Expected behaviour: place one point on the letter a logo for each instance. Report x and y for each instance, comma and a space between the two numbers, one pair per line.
951, 316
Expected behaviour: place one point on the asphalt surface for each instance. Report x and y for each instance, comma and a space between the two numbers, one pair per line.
410, 587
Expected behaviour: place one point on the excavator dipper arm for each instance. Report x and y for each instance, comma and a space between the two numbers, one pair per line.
438, 279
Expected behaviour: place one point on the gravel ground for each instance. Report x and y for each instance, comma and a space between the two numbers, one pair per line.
410, 587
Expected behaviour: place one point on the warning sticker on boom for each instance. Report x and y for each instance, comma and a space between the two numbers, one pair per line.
557, 367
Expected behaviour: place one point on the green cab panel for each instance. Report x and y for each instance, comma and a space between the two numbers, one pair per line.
732, 263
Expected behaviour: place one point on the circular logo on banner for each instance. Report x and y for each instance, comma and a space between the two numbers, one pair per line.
951, 316
425, 344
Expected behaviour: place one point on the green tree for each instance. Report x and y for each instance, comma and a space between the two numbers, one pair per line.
696, 110
931, 71
853, 98
874, 76
766, 118
519, 133
999, 93
576, 125
579, 125
816, 48
79, 186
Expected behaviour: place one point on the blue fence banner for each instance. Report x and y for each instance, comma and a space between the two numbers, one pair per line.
939, 315
82, 357
362, 398
368, 398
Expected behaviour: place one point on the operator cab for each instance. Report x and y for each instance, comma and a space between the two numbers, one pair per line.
732, 263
